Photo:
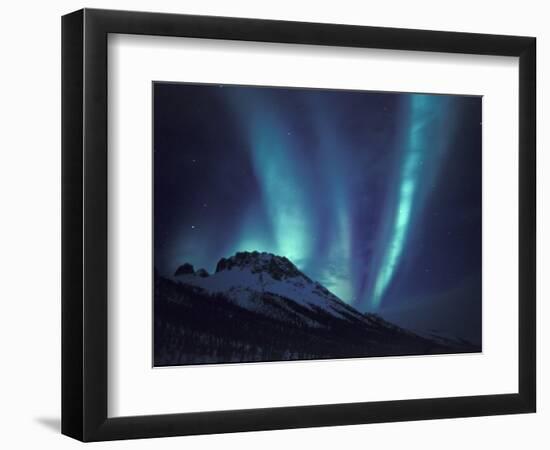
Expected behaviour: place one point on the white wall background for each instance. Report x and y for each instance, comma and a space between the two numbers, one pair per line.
30, 222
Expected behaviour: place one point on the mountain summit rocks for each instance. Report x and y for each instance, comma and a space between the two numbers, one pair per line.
184, 269
279, 267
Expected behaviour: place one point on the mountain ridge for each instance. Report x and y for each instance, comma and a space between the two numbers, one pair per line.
245, 274
261, 307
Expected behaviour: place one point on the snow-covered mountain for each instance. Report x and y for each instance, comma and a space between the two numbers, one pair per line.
248, 278
261, 307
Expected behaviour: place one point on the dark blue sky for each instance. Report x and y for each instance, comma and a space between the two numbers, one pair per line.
375, 195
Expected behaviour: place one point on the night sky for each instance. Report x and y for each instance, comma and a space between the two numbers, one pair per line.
375, 195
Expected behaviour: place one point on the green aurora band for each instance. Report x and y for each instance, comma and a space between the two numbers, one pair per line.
310, 192
423, 140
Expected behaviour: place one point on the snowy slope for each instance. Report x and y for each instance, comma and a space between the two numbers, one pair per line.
261, 307
246, 277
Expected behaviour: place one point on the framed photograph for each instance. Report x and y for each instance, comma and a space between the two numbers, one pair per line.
273, 224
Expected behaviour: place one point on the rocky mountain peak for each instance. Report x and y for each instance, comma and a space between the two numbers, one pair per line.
279, 267
185, 269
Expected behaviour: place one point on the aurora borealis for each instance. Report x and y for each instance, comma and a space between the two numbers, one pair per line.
375, 195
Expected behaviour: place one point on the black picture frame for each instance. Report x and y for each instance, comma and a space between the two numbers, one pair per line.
84, 224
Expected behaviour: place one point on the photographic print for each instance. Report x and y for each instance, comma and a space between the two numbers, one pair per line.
300, 224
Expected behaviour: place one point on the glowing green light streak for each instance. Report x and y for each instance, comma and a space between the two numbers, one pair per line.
284, 196
421, 116
336, 275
